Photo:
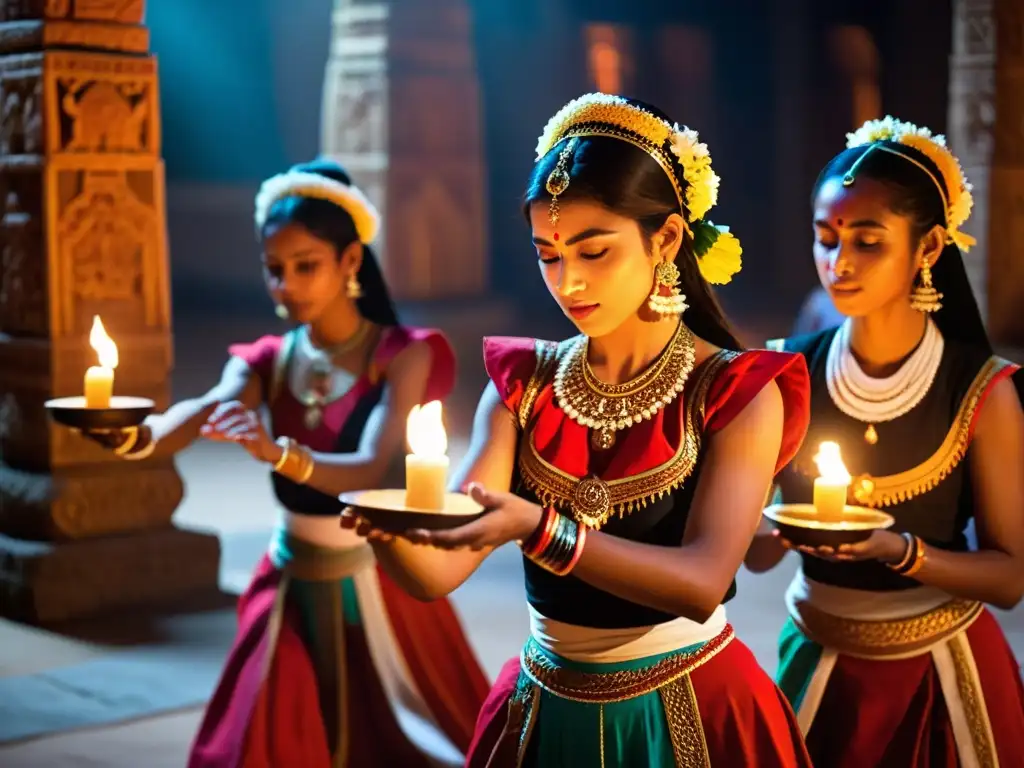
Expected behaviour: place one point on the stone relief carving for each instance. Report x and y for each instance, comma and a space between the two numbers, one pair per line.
21, 122
22, 284
105, 116
107, 237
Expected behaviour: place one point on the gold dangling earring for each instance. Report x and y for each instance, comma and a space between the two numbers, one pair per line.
666, 298
352, 287
281, 311
924, 297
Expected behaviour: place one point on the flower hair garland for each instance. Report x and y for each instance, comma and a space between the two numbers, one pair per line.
680, 153
955, 189
312, 185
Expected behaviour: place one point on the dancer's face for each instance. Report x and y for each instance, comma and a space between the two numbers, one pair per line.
866, 255
596, 264
304, 273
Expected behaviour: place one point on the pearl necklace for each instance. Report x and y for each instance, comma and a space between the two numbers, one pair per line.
874, 400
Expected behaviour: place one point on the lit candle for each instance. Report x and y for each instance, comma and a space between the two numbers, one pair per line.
99, 379
426, 468
831, 487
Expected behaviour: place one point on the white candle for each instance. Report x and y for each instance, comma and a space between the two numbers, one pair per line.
831, 488
99, 379
426, 467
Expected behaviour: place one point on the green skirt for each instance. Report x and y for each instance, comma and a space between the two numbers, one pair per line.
633, 714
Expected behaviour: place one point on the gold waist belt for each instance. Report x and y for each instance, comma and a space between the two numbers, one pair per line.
309, 562
609, 687
885, 638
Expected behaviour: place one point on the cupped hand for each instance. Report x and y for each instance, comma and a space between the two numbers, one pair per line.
506, 518
884, 546
234, 422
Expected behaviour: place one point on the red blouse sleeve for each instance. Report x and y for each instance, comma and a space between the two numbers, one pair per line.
748, 374
260, 355
441, 380
510, 363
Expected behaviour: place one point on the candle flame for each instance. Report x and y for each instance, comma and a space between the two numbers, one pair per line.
830, 464
425, 430
105, 347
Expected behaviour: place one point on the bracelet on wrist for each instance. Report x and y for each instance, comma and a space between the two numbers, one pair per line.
557, 543
908, 553
138, 445
296, 462
915, 558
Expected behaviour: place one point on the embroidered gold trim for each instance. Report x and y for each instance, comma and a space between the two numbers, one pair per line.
611, 687
881, 639
893, 489
543, 371
522, 714
685, 730
973, 700
625, 495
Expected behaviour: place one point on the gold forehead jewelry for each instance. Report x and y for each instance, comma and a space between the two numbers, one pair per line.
558, 179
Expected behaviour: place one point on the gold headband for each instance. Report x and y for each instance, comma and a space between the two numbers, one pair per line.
953, 187
671, 147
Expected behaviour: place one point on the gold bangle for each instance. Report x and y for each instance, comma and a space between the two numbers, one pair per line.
129, 442
919, 557
296, 462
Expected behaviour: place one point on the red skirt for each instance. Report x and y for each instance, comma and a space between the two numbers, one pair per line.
745, 719
892, 712
271, 707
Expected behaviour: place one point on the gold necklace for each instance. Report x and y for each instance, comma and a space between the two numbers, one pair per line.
319, 381
609, 408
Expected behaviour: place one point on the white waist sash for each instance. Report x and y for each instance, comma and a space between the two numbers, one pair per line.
610, 646
862, 604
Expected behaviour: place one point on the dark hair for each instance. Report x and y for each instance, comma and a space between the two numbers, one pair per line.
625, 179
914, 194
327, 221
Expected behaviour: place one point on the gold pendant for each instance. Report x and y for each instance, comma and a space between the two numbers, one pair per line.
602, 439
591, 502
312, 417
871, 435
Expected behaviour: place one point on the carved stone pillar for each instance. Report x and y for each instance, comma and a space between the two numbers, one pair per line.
401, 112
971, 120
82, 232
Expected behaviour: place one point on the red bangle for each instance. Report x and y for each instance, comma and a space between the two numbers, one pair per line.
541, 536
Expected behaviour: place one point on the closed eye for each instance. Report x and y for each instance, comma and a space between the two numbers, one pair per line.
592, 256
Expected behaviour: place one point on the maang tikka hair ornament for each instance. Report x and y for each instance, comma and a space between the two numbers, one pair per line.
687, 164
952, 185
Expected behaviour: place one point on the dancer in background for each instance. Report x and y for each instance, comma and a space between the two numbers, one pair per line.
333, 666
890, 656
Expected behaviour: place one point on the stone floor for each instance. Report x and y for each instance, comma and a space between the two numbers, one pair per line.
491, 603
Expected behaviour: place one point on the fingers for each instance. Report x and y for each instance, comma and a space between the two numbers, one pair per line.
234, 426
350, 520
470, 536
222, 410
485, 498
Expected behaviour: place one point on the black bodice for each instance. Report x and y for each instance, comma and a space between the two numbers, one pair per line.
938, 515
568, 599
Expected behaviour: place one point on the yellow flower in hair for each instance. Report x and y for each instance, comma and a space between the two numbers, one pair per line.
933, 146
718, 252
